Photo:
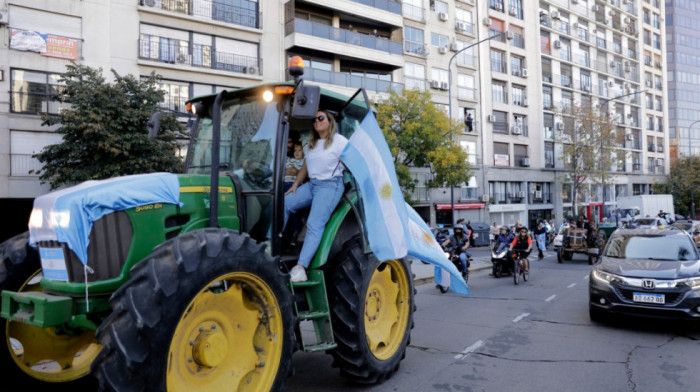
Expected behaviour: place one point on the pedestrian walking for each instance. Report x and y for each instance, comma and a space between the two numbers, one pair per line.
540, 233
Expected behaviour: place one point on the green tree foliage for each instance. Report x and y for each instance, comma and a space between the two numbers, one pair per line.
683, 180
421, 135
104, 129
590, 149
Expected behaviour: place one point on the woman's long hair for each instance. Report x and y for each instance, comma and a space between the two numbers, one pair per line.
331, 131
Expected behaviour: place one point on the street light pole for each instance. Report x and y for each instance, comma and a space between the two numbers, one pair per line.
690, 153
449, 106
600, 106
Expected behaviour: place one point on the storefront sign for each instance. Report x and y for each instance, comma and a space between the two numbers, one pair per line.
47, 44
459, 206
501, 160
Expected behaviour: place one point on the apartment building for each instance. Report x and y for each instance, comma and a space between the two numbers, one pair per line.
539, 55
682, 37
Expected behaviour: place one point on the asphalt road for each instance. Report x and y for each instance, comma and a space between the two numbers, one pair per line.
536, 336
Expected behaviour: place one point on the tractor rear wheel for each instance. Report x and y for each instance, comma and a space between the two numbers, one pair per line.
372, 306
33, 357
206, 311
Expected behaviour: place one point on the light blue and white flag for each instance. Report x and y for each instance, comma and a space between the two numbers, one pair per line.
393, 227
67, 215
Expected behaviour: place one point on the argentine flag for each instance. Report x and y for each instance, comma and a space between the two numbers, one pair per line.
393, 227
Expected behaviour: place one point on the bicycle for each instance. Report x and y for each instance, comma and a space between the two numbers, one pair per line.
519, 267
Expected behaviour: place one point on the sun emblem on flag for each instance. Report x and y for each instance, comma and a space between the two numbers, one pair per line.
427, 238
385, 191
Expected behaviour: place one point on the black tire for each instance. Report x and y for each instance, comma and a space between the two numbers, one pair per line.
516, 272
526, 274
568, 255
20, 271
348, 283
591, 260
495, 269
596, 315
560, 258
200, 278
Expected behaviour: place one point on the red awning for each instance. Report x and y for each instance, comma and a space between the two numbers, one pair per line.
460, 206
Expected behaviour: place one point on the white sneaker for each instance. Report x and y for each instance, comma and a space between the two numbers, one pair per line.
298, 273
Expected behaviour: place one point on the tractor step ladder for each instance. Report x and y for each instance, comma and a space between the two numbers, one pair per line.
314, 290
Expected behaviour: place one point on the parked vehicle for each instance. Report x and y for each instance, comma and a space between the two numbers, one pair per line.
644, 206
191, 293
690, 227
652, 273
647, 223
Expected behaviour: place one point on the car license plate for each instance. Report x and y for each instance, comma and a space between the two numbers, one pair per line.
649, 298
53, 264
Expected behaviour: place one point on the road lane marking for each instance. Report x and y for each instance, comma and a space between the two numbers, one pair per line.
470, 349
586, 277
522, 316
550, 298
571, 285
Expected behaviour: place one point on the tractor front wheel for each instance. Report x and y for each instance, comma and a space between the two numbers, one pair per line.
39, 358
372, 306
207, 311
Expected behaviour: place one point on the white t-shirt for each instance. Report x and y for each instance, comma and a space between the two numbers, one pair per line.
324, 163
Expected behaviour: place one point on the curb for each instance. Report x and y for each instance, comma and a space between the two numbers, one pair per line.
430, 279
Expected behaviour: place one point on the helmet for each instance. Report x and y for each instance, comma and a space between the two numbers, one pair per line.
523, 229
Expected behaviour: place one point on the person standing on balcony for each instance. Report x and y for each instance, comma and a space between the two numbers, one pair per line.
469, 122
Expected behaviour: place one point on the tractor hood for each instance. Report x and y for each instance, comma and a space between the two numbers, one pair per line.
67, 215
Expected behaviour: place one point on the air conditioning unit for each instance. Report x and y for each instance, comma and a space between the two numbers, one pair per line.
554, 14
509, 35
516, 130
442, 16
251, 70
461, 26
628, 20
659, 162
557, 44
454, 47
612, 13
559, 126
523, 72
491, 118
183, 59
587, 89
150, 3
629, 136
521, 193
435, 84
442, 49
444, 86
485, 198
487, 21
612, 64
525, 162
4, 17
574, 26
524, 101
513, 11
538, 194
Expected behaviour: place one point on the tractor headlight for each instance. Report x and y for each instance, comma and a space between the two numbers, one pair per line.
36, 219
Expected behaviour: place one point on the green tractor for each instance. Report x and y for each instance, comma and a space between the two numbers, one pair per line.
195, 295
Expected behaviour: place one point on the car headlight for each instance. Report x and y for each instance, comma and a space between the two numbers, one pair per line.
604, 276
693, 283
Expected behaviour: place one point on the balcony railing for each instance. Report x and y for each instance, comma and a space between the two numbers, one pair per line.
540, 198
464, 26
466, 93
176, 104
172, 51
353, 81
418, 48
386, 5
498, 66
320, 30
413, 12
518, 41
420, 193
415, 83
247, 16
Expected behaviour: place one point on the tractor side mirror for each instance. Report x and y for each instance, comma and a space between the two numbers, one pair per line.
153, 125
306, 101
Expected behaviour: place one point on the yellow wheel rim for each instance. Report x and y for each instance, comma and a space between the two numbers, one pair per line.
229, 338
387, 307
45, 355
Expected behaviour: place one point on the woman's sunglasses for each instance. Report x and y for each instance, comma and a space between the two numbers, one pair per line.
320, 118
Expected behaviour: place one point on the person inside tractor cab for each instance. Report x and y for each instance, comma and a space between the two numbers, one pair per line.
322, 193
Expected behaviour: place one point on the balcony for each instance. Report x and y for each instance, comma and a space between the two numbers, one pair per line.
539, 197
352, 81
462, 26
651, 147
414, 83
518, 41
466, 93
387, 5
466, 60
248, 16
413, 12
498, 66
416, 48
636, 167
22, 164
357, 45
172, 51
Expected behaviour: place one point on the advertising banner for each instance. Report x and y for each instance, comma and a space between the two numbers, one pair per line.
47, 44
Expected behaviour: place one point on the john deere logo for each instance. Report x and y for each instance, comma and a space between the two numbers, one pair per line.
385, 192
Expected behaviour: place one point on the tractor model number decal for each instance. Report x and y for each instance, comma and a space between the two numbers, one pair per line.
149, 207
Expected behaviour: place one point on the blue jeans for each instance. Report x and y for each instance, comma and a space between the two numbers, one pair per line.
323, 196
463, 260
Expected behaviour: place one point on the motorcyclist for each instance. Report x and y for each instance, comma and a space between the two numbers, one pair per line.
523, 243
505, 237
460, 243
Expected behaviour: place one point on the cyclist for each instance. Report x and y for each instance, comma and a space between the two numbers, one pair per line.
523, 244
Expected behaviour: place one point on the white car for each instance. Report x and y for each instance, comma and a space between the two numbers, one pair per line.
560, 237
648, 223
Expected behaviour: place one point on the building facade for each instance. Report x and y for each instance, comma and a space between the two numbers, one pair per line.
540, 56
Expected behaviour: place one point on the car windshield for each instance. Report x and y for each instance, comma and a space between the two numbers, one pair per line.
645, 221
652, 247
682, 226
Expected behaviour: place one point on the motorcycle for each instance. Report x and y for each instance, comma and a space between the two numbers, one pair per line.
452, 253
502, 265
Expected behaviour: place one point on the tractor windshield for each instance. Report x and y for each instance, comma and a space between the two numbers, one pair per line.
248, 128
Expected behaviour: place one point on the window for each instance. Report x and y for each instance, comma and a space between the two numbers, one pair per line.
584, 57
176, 94
465, 17
659, 124
547, 102
439, 40
518, 37
465, 58
545, 44
470, 149
515, 8
586, 81
241, 12
35, 92
498, 63
501, 155
500, 125
414, 40
520, 124
24, 144
657, 41
655, 21
549, 155
496, 5
465, 87
519, 153
438, 6
566, 100
519, 97
497, 28
498, 89
440, 75
414, 75
517, 64
549, 126
546, 70
565, 49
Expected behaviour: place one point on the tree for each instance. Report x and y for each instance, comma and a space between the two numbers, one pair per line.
104, 129
420, 134
589, 139
683, 180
